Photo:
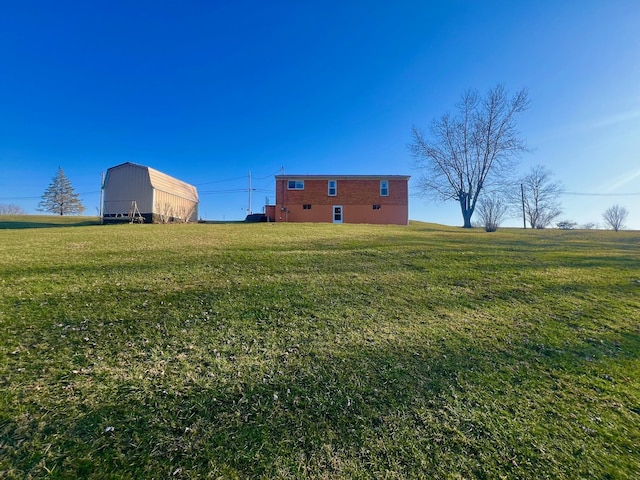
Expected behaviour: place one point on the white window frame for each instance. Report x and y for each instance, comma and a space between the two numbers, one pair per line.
335, 188
297, 184
384, 185
338, 217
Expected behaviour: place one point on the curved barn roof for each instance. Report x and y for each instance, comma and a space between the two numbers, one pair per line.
165, 183
162, 181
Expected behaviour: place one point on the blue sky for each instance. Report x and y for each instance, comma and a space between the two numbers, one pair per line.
208, 91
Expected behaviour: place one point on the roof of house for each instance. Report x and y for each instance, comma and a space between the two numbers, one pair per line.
344, 177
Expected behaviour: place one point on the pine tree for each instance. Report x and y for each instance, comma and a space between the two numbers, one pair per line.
59, 197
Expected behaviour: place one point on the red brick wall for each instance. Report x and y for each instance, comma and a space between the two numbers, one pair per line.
270, 211
357, 198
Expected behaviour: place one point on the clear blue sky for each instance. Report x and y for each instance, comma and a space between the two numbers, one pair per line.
207, 91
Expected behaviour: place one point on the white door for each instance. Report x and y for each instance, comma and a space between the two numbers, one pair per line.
337, 214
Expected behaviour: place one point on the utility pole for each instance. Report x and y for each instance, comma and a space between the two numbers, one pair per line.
249, 207
101, 197
524, 217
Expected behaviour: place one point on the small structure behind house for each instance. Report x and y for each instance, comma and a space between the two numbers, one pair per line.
133, 192
376, 199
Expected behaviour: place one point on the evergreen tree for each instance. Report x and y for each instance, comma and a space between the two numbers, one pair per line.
59, 197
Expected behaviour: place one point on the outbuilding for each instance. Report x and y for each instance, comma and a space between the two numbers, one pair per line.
133, 191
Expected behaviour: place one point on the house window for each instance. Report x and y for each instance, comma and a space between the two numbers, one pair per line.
384, 188
333, 188
376, 207
306, 206
296, 185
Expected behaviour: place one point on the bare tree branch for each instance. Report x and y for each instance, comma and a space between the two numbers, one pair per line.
541, 197
11, 209
615, 216
471, 150
60, 198
492, 209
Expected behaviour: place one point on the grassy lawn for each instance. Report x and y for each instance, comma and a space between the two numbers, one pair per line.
318, 351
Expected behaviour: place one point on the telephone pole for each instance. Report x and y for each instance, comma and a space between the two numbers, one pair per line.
524, 216
249, 207
101, 196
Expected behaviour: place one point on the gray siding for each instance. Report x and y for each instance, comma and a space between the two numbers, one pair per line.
125, 184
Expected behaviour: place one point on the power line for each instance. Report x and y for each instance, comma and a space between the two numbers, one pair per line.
205, 192
268, 176
40, 196
234, 190
221, 181
237, 178
20, 198
583, 194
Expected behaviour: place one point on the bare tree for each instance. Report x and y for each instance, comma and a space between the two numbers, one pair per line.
164, 212
183, 213
11, 209
60, 198
470, 150
540, 197
491, 211
615, 216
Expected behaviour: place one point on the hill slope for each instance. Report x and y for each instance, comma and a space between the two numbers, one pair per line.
318, 351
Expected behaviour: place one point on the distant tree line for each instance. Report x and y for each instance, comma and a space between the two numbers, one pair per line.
11, 209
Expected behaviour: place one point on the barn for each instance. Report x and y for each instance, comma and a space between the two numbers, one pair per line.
133, 191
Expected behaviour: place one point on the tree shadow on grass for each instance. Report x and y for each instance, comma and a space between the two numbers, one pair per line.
427, 406
21, 223
419, 408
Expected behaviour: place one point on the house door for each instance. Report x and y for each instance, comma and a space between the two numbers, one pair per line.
337, 214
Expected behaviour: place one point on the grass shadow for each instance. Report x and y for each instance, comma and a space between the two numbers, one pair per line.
417, 408
22, 222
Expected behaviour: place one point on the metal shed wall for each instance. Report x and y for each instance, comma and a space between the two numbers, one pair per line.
124, 184
175, 207
174, 196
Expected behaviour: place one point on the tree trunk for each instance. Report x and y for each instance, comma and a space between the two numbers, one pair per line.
466, 214
466, 209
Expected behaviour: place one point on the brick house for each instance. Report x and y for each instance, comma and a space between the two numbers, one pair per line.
378, 199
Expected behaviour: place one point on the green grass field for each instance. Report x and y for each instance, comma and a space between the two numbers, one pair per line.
317, 351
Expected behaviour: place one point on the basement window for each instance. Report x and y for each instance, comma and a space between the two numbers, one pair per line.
376, 207
306, 206
296, 185
384, 188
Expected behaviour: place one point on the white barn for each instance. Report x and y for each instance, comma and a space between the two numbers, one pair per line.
130, 188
